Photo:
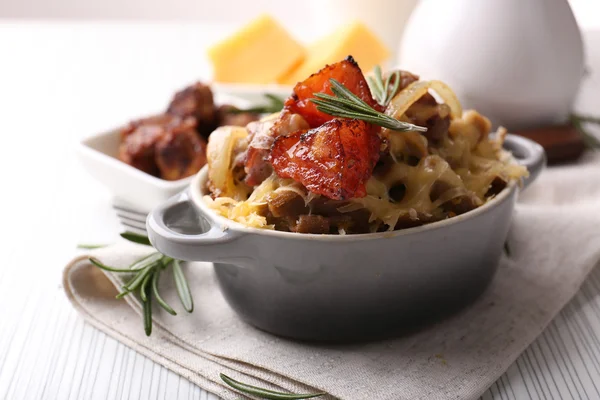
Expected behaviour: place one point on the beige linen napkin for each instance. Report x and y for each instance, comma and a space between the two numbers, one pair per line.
554, 244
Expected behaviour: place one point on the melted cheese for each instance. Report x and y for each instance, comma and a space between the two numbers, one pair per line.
463, 165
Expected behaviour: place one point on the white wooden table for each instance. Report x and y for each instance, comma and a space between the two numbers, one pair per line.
60, 82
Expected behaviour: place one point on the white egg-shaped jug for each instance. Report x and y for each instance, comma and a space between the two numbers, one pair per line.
518, 62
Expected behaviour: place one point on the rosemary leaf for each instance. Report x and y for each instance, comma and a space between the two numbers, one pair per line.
145, 261
376, 84
139, 278
123, 293
590, 140
346, 104
265, 393
325, 99
275, 100
90, 246
98, 264
148, 313
183, 290
136, 238
159, 299
383, 92
342, 91
393, 89
144, 289
587, 118
272, 105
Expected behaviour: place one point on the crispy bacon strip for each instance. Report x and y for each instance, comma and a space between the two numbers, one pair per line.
346, 72
334, 160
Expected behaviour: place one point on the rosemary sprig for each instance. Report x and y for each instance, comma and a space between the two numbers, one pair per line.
265, 393
272, 105
183, 290
87, 246
346, 104
136, 238
589, 139
384, 90
146, 273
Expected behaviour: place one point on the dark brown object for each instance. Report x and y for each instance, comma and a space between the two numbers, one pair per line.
196, 101
138, 142
286, 203
165, 146
312, 224
563, 144
406, 221
180, 152
406, 78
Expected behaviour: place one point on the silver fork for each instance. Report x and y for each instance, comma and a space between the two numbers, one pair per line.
131, 218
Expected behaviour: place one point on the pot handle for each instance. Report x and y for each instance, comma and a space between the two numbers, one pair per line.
527, 153
177, 230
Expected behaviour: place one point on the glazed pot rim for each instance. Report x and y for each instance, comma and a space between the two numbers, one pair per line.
197, 191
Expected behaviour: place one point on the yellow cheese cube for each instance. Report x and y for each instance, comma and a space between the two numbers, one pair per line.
354, 39
261, 52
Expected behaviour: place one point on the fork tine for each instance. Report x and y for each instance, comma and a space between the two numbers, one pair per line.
119, 207
131, 226
131, 222
132, 217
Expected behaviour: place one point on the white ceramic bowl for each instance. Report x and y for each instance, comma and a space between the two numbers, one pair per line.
137, 189
144, 191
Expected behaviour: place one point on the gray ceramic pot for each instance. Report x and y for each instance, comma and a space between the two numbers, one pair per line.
331, 287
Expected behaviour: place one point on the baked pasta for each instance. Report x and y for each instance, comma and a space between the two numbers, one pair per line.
302, 170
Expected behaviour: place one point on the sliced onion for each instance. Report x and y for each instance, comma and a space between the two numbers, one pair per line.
448, 195
413, 92
219, 153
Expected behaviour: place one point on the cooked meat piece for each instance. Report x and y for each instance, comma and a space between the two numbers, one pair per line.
260, 140
497, 185
312, 224
352, 222
326, 207
406, 78
288, 123
138, 143
261, 135
284, 224
461, 205
180, 152
285, 203
416, 219
436, 117
155, 120
346, 72
196, 101
227, 117
334, 160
